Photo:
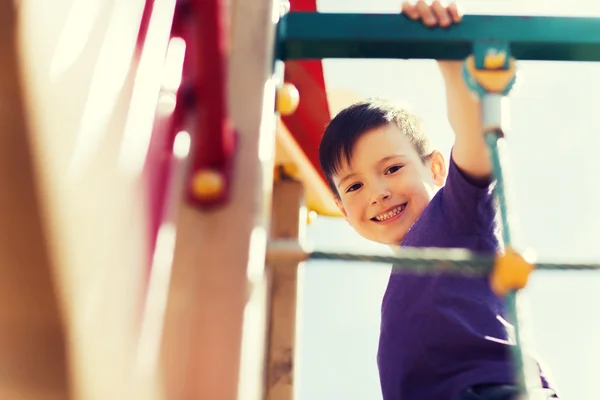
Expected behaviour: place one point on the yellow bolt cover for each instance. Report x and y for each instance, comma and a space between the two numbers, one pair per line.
208, 184
287, 99
494, 60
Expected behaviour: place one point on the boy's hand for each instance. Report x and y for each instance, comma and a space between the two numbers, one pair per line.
432, 13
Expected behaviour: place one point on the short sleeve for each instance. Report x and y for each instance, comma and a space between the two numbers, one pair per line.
468, 205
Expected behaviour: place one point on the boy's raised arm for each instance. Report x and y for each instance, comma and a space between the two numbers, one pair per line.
470, 151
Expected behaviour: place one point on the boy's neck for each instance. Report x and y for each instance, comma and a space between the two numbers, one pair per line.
394, 248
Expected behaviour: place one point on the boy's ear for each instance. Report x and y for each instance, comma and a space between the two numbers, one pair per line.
437, 164
338, 203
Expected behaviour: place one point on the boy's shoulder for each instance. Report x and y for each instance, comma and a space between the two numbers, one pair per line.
460, 186
461, 214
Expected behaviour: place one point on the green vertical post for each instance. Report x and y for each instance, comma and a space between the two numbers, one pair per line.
495, 55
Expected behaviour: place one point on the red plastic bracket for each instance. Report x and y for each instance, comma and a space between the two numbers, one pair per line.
203, 26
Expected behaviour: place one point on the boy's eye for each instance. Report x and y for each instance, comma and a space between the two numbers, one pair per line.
354, 187
393, 169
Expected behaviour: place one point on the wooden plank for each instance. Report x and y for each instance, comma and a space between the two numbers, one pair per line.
92, 100
217, 289
288, 221
33, 362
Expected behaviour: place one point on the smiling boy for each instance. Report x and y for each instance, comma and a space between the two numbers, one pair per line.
442, 337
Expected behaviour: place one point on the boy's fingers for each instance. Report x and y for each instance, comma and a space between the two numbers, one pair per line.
441, 13
426, 13
455, 12
410, 10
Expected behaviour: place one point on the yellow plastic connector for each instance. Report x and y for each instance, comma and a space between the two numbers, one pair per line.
494, 80
287, 99
207, 184
511, 272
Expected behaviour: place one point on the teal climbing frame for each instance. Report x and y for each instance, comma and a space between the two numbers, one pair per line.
305, 35
310, 35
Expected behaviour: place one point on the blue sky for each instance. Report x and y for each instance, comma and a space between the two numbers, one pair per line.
554, 144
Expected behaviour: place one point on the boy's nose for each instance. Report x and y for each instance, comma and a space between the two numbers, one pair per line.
380, 195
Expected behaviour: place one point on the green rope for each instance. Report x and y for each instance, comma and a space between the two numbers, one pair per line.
498, 162
434, 260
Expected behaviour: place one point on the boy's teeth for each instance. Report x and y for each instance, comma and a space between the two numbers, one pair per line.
390, 214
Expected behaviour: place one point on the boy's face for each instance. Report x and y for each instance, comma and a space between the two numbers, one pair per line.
387, 186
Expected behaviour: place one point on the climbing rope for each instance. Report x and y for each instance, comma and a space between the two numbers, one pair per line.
435, 260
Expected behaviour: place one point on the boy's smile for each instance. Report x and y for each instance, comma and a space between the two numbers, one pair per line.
389, 215
386, 186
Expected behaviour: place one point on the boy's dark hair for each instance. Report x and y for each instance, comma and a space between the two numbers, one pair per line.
350, 124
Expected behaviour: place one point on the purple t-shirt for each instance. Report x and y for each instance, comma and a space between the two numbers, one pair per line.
441, 334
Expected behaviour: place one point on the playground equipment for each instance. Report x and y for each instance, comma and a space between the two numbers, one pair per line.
489, 46
137, 216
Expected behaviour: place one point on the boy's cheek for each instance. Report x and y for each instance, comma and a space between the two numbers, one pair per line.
340, 205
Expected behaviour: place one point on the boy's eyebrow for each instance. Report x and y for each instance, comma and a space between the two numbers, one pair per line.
347, 177
392, 157
382, 161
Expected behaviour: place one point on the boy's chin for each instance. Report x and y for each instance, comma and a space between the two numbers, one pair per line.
389, 238
393, 240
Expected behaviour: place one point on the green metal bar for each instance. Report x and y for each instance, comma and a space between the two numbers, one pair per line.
310, 35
